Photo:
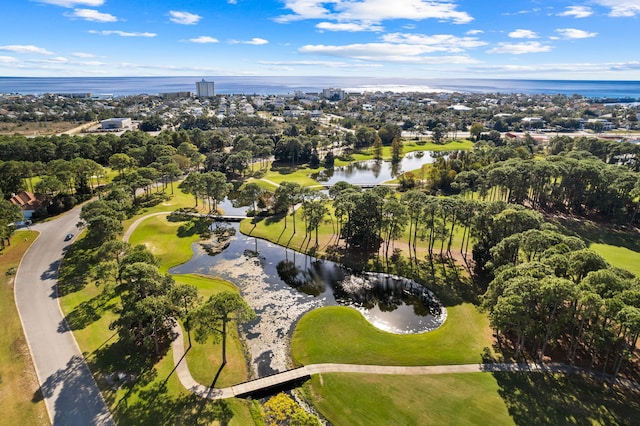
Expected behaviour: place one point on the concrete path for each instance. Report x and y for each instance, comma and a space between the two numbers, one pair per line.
138, 221
270, 182
279, 379
71, 395
263, 383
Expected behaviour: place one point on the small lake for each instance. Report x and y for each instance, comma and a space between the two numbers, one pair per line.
282, 285
372, 172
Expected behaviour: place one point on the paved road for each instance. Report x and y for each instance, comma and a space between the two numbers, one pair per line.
67, 386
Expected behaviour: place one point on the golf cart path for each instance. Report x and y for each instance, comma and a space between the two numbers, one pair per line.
289, 376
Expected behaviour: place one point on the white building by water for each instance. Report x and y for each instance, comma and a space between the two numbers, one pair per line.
204, 88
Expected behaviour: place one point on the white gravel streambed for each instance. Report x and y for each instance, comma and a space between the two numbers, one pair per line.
282, 285
278, 311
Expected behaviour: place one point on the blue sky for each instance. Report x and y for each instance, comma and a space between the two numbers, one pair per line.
594, 39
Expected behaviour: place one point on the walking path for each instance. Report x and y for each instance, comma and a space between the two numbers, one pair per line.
280, 379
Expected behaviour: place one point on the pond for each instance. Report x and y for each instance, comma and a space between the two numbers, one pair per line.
282, 285
372, 172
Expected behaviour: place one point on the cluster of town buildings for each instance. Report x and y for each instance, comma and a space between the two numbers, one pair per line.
501, 111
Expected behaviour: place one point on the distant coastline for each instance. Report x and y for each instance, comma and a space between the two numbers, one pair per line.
267, 85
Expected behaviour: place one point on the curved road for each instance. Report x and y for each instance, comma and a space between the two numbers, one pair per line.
71, 394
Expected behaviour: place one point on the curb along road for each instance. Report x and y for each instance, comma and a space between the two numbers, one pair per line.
67, 386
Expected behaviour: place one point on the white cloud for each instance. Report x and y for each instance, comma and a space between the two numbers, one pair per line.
348, 26
523, 34
25, 49
184, 18
328, 64
390, 52
203, 40
92, 15
574, 33
373, 11
621, 8
474, 32
56, 60
73, 3
535, 10
520, 48
438, 42
256, 41
83, 55
7, 60
577, 11
122, 33
232, 1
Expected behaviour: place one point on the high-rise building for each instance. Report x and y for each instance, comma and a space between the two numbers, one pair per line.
333, 94
204, 88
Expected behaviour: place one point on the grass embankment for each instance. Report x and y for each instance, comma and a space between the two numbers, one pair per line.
619, 247
279, 174
321, 336
410, 146
286, 173
338, 334
474, 398
178, 199
460, 399
342, 335
18, 382
155, 395
161, 238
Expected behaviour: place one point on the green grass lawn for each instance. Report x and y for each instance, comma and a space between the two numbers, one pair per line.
339, 334
619, 247
620, 257
161, 238
460, 399
410, 146
205, 358
18, 382
470, 399
300, 174
178, 199
322, 335
156, 395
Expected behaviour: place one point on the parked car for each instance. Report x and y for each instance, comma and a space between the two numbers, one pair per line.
68, 237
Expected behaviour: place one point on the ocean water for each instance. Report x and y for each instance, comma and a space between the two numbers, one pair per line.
123, 86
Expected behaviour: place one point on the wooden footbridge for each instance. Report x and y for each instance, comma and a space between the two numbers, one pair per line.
274, 383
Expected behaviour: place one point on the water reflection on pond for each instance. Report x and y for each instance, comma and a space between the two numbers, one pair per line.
281, 285
371, 172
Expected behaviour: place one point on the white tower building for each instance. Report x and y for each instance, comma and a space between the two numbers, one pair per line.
204, 88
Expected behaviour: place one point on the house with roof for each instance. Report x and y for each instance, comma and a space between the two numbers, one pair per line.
27, 202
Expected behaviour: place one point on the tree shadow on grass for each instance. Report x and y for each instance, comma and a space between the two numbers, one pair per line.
559, 399
88, 312
148, 402
195, 226
154, 406
594, 232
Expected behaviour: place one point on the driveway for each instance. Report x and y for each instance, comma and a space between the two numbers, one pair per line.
66, 384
